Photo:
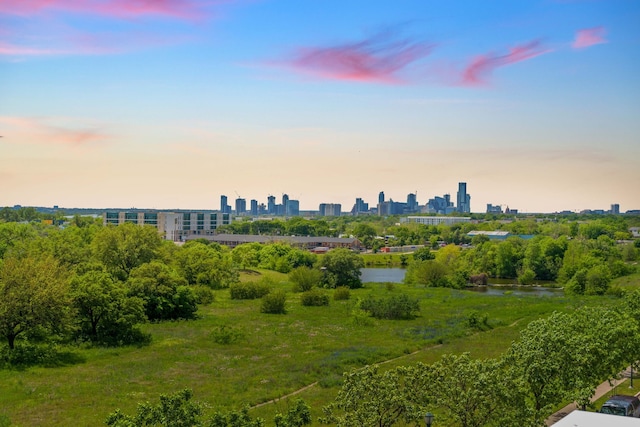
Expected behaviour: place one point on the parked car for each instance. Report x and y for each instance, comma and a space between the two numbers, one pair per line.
627, 406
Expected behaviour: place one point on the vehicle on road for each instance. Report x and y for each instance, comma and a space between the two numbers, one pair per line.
627, 406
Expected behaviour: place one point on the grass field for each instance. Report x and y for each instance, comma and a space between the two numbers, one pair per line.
272, 355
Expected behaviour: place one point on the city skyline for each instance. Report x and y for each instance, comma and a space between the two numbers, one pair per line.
168, 105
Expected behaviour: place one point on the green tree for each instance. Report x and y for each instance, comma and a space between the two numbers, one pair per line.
473, 393
304, 278
372, 398
430, 273
246, 255
125, 247
204, 265
33, 295
174, 410
365, 233
341, 267
165, 293
106, 314
12, 234
423, 254
297, 416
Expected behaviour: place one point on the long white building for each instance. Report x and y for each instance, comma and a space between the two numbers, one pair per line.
435, 220
175, 226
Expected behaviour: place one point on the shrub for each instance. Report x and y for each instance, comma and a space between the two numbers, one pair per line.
526, 277
396, 307
478, 321
359, 317
314, 297
304, 278
250, 290
341, 293
226, 335
273, 302
204, 294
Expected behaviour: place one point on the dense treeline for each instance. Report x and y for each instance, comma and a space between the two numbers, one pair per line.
583, 265
97, 284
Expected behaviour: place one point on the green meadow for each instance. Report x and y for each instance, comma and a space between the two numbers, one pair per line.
234, 355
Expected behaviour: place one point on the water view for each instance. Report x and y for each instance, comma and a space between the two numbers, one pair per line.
495, 287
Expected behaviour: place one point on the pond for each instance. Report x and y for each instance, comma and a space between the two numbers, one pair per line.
495, 287
382, 275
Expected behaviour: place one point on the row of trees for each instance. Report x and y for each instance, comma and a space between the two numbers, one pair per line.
558, 359
98, 284
585, 266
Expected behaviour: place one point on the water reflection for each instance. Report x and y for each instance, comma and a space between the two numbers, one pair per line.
502, 286
517, 290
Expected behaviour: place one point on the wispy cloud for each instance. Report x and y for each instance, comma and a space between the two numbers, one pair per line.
481, 67
50, 27
381, 58
588, 37
181, 9
45, 131
10, 49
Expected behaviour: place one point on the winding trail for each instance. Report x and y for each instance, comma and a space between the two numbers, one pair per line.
300, 390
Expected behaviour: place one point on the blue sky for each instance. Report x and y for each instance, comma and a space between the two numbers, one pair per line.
170, 103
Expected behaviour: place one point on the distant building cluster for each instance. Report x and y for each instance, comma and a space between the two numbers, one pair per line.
290, 207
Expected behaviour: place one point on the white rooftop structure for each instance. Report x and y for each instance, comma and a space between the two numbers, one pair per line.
596, 419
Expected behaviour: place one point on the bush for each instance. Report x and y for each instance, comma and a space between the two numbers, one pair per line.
226, 335
478, 321
359, 317
341, 293
314, 297
250, 290
27, 354
204, 294
396, 307
526, 277
273, 302
304, 278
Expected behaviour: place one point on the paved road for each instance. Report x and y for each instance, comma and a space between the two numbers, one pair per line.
602, 389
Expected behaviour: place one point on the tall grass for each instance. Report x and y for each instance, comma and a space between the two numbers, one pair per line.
269, 357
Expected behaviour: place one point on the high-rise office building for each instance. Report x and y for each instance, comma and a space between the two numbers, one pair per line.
224, 207
254, 207
463, 199
412, 202
285, 204
271, 205
330, 209
241, 206
360, 206
615, 209
293, 208
381, 197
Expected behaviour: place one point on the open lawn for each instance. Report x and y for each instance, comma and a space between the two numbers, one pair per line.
269, 356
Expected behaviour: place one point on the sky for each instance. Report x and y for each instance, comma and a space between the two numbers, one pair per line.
168, 104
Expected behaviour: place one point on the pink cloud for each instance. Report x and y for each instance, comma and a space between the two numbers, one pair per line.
9, 49
477, 71
183, 9
40, 130
376, 59
588, 37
